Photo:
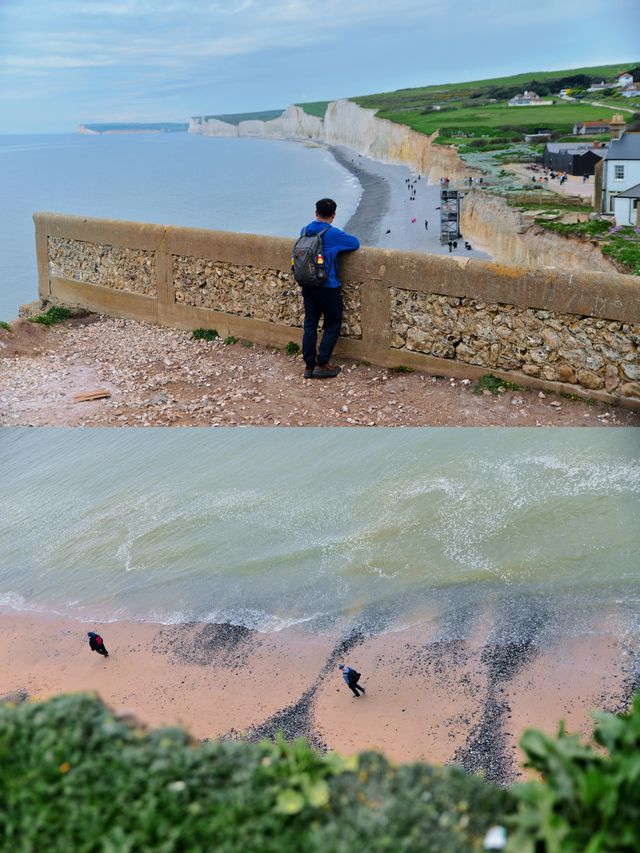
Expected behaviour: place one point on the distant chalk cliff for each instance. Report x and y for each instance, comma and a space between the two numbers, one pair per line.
345, 123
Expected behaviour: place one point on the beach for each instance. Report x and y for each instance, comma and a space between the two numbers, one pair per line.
463, 700
385, 214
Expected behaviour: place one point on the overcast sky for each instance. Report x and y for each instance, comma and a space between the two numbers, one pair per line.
64, 62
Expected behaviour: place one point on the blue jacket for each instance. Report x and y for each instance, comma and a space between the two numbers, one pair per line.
334, 241
345, 674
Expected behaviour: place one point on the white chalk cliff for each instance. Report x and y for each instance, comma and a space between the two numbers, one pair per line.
345, 123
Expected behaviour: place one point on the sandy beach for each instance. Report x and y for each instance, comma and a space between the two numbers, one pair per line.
462, 699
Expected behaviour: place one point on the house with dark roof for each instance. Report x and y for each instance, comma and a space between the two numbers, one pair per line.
574, 158
620, 173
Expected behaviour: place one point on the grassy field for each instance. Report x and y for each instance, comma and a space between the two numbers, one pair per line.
315, 108
464, 106
485, 120
386, 100
236, 118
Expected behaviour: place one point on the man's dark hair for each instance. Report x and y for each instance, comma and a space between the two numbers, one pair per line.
326, 207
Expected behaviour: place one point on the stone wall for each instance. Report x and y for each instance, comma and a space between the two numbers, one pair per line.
567, 331
109, 266
246, 291
584, 351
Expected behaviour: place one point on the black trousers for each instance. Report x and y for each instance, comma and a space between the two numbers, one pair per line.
320, 302
354, 687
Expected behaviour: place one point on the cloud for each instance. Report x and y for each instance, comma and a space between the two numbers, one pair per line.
29, 63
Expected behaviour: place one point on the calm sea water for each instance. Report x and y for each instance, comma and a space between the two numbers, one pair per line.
249, 185
268, 528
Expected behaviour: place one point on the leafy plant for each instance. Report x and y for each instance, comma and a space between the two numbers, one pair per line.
292, 348
589, 798
402, 368
623, 244
5, 325
492, 383
247, 344
230, 340
74, 778
205, 334
55, 314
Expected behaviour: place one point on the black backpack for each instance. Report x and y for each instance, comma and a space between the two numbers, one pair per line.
307, 260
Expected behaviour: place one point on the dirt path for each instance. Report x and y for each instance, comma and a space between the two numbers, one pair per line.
162, 377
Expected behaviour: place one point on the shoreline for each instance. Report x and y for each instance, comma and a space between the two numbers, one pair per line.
463, 700
387, 217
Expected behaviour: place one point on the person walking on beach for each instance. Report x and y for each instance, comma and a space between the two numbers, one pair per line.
351, 678
426, 225
96, 644
324, 300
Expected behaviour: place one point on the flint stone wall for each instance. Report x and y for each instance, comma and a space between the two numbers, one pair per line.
110, 266
568, 348
557, 330
246, 291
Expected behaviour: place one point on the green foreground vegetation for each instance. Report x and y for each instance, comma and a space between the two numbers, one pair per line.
72, 777
54, 314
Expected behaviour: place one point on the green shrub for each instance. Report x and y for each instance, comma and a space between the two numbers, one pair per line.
623, 244
492, 383
247, 344
230, 340
205, 334
589, 799
55, 314
5, 325
74, 778
402, 368
292, 348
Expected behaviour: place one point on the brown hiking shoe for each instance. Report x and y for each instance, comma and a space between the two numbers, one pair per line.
326, 371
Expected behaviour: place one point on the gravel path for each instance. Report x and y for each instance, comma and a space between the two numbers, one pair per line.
162, 377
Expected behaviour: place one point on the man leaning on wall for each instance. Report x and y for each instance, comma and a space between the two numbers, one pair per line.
326, 300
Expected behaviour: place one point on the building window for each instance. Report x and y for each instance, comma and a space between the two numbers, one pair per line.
618, 173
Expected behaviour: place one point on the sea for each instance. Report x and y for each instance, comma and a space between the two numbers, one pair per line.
273, 528
257, 186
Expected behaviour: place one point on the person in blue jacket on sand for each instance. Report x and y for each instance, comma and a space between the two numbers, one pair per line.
351, 678
326, 300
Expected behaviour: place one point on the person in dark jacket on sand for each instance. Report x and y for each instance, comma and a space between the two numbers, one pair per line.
96, 644
351, 678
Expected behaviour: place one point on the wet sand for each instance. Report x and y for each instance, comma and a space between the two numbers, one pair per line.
463, 699
386, 206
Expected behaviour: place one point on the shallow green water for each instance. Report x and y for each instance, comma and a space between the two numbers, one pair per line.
268, 528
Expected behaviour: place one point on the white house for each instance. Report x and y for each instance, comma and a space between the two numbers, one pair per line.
624, 78
598, 87
620, 172
631, 91
625, 206
528, 99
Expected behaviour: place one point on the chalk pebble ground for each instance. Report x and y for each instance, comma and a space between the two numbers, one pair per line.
163, 377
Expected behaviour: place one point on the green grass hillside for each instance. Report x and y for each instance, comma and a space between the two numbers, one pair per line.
522, 81
480, 107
